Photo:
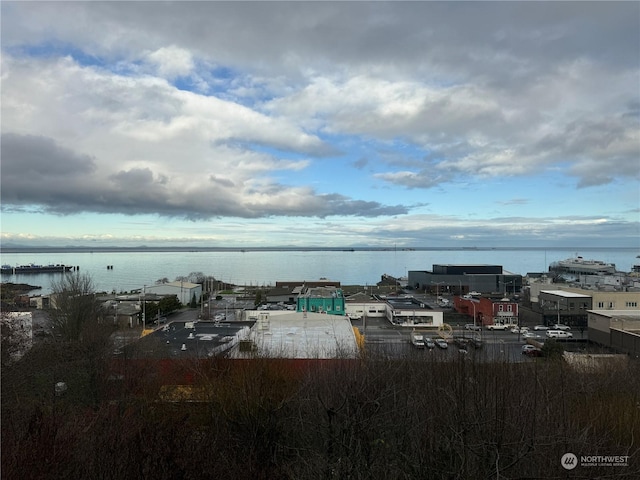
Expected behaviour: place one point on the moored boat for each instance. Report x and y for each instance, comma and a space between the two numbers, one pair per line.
33, 268
579, 265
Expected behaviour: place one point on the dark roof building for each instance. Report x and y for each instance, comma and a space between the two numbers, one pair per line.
461, 279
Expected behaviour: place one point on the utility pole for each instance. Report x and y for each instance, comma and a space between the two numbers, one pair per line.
144, 306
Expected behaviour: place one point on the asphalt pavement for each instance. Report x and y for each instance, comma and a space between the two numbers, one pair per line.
394, 341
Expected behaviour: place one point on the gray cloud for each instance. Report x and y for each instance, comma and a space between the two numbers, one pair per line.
469, 37
36, 170
31, 155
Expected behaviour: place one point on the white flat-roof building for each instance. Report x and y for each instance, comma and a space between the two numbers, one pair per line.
408, 311
298, 335
185, 291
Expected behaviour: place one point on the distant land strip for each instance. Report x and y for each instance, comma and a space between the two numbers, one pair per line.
144, 248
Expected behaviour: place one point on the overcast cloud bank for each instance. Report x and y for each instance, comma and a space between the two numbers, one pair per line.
349, 123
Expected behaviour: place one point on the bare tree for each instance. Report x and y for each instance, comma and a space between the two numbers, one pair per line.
193, 277
74, 305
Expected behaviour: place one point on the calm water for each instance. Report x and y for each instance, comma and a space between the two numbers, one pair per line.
132, 270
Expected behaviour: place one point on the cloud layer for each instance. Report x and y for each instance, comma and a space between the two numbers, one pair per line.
348, 110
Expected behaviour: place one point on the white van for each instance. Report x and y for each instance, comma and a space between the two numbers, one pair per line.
559, 334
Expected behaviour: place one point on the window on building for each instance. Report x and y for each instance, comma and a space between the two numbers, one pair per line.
631, 304
611, 304
600, 304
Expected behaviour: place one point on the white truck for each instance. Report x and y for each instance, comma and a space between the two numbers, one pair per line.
498, 326
417, 339
559, 334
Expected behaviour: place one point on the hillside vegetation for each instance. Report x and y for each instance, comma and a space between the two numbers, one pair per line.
267, 419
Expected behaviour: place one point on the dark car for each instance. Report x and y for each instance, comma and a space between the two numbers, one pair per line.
534, 352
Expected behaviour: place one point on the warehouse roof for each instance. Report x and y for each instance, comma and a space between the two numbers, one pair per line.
299, 335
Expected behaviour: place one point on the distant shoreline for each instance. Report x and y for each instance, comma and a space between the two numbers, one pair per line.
142, 248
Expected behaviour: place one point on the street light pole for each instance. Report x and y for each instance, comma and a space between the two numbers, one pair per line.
474, 313
437, 289
475, 322
144, 307
473, 302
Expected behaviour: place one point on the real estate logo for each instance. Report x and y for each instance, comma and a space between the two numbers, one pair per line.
569, 461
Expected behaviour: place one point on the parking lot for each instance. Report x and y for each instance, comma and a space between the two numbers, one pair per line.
393, 341
497, 345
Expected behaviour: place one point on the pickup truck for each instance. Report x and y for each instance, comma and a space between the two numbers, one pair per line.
559, 334
497, 326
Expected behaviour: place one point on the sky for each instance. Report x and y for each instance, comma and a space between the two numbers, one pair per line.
328, 124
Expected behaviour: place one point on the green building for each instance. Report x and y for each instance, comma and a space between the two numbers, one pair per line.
321, 300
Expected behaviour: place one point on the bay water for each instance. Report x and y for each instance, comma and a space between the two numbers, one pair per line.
126, 270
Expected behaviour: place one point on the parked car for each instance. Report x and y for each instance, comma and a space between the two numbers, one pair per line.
560, 326
541, 327
471, 326
520, 330
530, 335
534, 352
527, 347
429, 343
559, 334
417, 339
441, 343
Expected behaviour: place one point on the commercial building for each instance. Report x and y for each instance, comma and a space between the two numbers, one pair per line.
408, 311
461, 279
487, 311
616, 329
288, 291
185, 291
600, 299
182, 340
561, 306
362, 304
324, 299
297, 335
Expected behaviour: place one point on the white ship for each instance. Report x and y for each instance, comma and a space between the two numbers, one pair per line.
579, 265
